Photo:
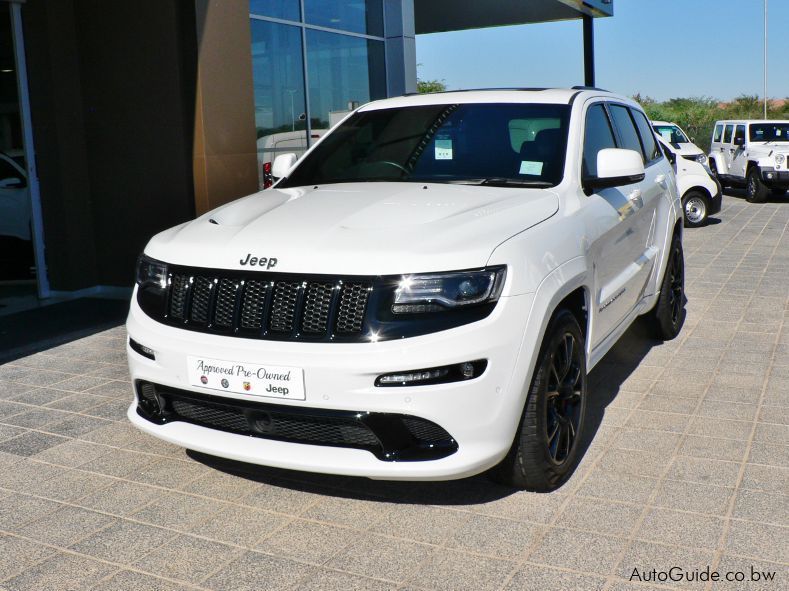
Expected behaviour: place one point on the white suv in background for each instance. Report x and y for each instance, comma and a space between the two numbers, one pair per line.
673, 134
421, 296
700, 191
754, 153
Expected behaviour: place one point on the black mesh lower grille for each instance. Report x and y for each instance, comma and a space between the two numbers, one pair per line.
388, 436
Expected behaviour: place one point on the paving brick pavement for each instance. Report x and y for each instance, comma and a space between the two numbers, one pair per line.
688, 466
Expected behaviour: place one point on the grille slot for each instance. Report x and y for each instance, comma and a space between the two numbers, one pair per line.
353, 303
252, 306
201, 296
283, 306
317, 301
225, 303
178, 293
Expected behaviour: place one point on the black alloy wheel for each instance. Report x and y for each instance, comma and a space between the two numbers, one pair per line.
563, 408
668, 315
676, 292
547, 444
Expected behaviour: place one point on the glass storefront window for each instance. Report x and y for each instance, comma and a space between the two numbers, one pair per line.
343, 73
284, 9
280, 100
359, 16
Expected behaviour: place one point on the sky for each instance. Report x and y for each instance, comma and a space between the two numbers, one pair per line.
658, 48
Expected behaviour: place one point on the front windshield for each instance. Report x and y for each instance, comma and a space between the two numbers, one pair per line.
769, 132
672, 134
492, 144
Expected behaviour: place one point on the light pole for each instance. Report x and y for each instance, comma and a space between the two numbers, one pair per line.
765, 59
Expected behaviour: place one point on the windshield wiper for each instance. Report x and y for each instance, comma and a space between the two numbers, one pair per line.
500, 182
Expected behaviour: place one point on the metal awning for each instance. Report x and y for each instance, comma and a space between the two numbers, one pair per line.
433, 16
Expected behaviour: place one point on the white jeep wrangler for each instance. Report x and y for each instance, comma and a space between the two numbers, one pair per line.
420, 296
754, 153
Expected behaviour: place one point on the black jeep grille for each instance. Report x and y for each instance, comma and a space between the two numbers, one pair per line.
266, 306
388, 436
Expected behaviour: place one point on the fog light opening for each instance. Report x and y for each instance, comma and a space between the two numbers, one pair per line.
141, 349
458, 372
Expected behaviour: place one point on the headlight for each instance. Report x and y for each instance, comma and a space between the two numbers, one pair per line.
779, 159
439, 292
151, 273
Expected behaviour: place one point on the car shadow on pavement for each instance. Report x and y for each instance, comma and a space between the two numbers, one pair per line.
604, 384
739, 193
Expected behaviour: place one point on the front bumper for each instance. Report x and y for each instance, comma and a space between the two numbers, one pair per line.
716, 202
775, 178
481, 414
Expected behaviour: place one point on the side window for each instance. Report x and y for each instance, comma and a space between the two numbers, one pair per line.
727, 134
627, 131
739, 133
597, 136
647, 136
716, 136
7, 171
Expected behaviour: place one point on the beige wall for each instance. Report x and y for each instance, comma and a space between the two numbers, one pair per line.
225, 147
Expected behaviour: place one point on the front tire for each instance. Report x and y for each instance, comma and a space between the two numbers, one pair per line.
755, 190
668, 315
545, 450
695, 207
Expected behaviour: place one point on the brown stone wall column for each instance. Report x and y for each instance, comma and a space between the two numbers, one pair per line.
225, 147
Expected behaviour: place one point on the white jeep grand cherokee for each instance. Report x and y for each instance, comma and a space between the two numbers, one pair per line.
420, 297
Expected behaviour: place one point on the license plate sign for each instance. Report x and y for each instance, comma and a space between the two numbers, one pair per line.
267, 381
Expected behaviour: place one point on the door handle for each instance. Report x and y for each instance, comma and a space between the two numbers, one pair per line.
660, 180
635, 199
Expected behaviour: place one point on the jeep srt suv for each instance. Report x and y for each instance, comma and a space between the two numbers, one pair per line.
751, 153
420, 296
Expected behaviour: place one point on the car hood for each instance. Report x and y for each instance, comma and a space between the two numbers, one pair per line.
358, 228
687, 149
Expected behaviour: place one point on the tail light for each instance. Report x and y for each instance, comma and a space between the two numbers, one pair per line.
268, 178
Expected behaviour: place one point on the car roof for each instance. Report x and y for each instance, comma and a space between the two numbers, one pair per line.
749, 121
664, 123
558, 96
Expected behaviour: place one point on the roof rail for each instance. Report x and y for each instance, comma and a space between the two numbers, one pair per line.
590, 88
535, 89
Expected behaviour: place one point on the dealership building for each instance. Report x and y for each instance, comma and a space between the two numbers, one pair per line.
131, 117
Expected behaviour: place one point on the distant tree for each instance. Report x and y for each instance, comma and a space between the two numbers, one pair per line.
425, 86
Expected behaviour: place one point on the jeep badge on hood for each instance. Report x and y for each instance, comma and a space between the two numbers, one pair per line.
259, 261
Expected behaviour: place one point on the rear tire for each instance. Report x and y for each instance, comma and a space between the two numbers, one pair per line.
755, 189
668, 315
695, 207
545, 450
